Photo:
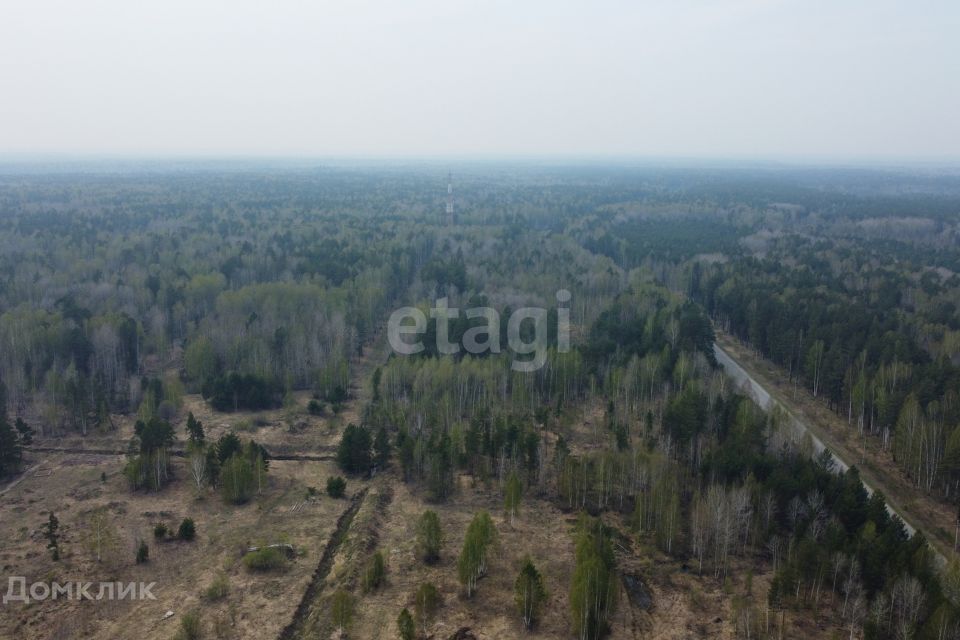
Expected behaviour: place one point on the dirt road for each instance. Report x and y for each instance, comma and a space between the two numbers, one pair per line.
768, 398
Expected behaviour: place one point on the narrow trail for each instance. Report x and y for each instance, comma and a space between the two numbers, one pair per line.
296, 627
22, 476
181, 453
375, 355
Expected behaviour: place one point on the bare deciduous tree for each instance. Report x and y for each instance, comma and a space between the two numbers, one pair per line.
198, 468
907, 602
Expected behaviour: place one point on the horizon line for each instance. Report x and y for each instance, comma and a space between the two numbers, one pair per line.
30, 158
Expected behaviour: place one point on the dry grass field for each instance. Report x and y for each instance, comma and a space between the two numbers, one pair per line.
71, 485
671, 602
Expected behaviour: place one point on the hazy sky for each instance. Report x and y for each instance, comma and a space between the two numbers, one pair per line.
833, 78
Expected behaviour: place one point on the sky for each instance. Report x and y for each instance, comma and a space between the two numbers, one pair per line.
857, 79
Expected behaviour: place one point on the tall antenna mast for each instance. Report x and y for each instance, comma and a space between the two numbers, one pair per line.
450, 215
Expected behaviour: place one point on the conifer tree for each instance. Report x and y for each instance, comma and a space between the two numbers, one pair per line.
511, 498
50, 529
194, 430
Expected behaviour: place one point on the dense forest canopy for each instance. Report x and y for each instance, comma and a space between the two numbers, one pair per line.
127, 288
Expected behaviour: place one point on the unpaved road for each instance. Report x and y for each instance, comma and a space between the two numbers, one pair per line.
870, 481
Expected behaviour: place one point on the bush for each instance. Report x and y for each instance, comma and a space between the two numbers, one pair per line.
341, 609
336, 486
160, 531
190, 627
315, 408
187, 530
265, 559
218, 589
143, 552
375, 573
166, 411
405, 626
338, 395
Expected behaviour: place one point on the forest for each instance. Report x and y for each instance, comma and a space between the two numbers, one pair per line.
208, 343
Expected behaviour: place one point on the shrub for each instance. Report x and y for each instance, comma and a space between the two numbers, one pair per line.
265, 559
190, 627
375, 573
160, 531
143, 552
315, 408
405, 626
336, 486
218, 589
187, 530
341, 610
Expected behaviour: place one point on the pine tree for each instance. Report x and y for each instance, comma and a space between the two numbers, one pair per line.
194, 430
10, 452
511, 498
212, 466
50, 529
149, 462
25, 432
142, 553
353, 452
228, 445
381, 448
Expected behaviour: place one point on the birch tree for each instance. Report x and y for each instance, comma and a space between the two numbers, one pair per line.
529, 593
